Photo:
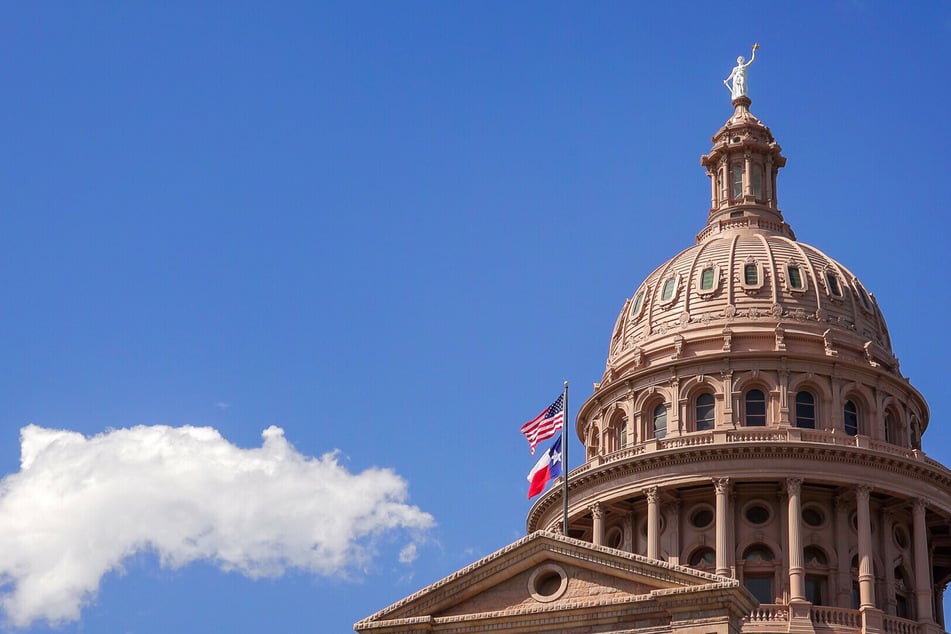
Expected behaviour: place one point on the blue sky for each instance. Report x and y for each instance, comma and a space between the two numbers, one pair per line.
390, 230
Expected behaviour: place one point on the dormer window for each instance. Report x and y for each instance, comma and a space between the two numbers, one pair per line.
832, 283
751, 276
736, 173
795, 280
709, 280
638, 304
668, 291
866, 301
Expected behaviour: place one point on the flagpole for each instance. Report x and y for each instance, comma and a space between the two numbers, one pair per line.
565, 441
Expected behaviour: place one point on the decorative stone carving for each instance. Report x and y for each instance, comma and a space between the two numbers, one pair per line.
829, 343
780, 336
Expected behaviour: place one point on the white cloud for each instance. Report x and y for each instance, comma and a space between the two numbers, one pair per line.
408, 553
79, 506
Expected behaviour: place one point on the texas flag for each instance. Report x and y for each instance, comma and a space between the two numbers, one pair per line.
547, 467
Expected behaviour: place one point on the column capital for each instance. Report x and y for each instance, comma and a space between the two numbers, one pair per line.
721, 485
919, 505
793, 485
862, 492
596, 512
653, 495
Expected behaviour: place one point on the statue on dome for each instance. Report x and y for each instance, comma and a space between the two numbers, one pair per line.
738, 75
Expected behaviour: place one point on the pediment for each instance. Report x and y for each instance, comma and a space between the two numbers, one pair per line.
546, 573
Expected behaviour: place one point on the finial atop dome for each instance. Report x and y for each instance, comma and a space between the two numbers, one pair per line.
738, 77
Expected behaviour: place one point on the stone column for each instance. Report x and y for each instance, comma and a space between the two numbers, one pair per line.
797, 582
939, 603
887, 544
722, 488
747, 177
673, 531
866, 575
653, 523
843, 580
923, 590
597, 517
630, 533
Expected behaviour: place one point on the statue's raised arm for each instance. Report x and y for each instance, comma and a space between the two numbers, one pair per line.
736, 82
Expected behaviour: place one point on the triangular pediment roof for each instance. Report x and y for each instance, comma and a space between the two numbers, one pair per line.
549, 582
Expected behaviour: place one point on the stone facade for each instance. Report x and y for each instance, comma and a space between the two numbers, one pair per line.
752, 442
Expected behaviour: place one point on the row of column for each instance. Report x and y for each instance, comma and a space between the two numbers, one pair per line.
797, 590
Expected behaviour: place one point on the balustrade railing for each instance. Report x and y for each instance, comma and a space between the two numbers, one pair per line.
768, 613
895, 625
835, 617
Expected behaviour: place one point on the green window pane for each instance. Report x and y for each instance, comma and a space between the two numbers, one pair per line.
668, 290
637, 303
751, 275
833, 284
706, 279
795, 277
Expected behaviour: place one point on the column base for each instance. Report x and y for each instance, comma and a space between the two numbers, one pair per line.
800, 621
872, 620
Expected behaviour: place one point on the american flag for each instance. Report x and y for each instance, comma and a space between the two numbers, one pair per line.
546, 424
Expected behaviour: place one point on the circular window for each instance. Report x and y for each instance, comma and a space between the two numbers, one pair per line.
757, 514
547, 583
701, 517
901, 537
813, 516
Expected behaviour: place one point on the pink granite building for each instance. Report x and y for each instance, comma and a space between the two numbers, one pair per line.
753, 454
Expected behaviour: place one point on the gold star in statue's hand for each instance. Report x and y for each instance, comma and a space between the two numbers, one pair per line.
755, 46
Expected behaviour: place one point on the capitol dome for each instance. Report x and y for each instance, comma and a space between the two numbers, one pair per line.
752, 421
753, 456
747, 285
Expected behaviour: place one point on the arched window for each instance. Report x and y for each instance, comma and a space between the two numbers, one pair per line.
737, 181
594, 443
758, 570
756, 178
703, 558
850, 415
706, 279
660, 421
805, 410
721, 181
903, 594
891, 429
755, 408
622, 433
705, 412
817, 575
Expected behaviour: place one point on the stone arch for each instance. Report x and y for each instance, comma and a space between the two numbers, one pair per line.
692, 389
859, 395
645, 404
617, 430
693, 548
